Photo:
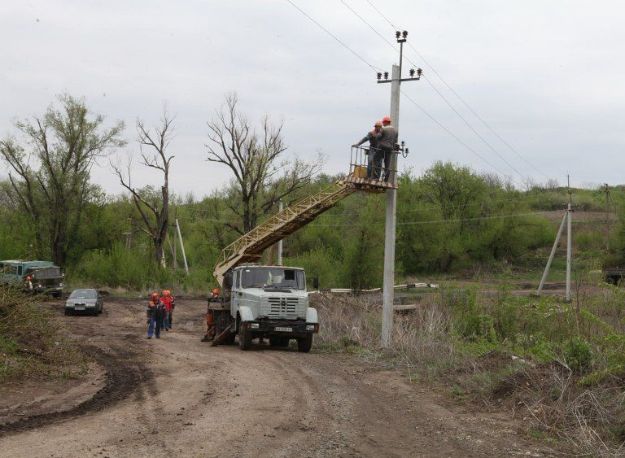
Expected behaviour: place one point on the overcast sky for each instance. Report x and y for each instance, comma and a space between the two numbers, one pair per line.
548, 77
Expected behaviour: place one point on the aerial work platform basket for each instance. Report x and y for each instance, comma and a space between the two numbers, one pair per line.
364, 175
367, 170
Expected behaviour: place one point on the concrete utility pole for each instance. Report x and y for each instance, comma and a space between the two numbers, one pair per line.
606, 189
569, 243
552, 254
568, 219
391, 196
184, 255
280, 242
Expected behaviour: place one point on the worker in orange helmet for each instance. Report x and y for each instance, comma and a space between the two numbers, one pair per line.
210, 318
155, 312
169, 302
387, 142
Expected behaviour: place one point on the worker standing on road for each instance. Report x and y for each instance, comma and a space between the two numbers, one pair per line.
155, 312
210, 318
374, 154
169, 302
388, 144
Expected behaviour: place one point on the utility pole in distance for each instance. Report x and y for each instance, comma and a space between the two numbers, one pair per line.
388, 290
569, 242
280, 241
606, 189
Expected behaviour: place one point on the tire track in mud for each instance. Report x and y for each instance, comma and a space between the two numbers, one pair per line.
123, 376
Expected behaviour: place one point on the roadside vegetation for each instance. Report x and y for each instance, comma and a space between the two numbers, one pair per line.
559, 366
32, 343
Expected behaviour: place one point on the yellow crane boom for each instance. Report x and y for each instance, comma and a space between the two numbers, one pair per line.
249, 247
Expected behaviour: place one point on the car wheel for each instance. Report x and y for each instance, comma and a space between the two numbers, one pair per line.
245, 337
304, 344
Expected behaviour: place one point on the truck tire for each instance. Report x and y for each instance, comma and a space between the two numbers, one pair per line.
304, 344
245, 337
276, 341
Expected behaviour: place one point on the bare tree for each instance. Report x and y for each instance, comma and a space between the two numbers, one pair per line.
261, 176
49, 178
153, 208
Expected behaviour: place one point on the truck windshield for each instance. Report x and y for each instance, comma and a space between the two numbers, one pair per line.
272, 277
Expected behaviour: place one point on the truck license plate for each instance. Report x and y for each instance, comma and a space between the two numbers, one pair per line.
282, 329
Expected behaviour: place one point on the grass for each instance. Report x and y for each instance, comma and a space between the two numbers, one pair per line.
32, 344
558, 365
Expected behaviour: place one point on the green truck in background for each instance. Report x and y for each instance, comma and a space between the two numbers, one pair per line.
41, 277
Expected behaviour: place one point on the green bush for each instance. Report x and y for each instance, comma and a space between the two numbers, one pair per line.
578, 355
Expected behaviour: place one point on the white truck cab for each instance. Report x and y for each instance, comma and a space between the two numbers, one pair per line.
272, 301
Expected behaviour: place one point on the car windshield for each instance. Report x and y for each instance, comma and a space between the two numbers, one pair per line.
84, 294
273, 277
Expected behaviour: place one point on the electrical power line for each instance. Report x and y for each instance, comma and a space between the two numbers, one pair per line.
439, 221
441, 125
406, 223
458, 139
447, 102
382, 15
338, 40
468, 124
474, 113
461, 99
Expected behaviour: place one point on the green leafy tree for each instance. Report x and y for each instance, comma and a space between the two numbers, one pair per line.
49, 171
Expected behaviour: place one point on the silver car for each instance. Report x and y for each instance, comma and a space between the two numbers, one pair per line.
84, 300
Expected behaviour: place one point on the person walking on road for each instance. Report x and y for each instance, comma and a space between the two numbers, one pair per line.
155, 313
169, 302
388, 144
374, 154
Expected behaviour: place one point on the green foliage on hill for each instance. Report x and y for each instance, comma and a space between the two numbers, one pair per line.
450, 220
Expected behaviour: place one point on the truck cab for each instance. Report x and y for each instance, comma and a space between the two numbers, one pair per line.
272, 301
33, 276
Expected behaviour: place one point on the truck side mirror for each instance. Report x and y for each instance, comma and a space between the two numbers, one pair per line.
228, 280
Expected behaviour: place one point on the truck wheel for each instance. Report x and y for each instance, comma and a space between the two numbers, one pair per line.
245, 338
279, 341
304, 344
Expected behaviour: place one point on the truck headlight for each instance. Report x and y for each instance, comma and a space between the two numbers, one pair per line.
312, 327
254, 325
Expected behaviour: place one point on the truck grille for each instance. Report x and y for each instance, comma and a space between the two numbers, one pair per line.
282, 307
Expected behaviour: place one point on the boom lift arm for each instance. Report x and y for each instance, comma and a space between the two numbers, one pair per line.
250, 246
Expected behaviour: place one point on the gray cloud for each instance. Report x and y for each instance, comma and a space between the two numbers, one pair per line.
546, 75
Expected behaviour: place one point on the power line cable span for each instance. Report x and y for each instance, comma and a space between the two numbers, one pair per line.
440, 94
457, 95
338, 40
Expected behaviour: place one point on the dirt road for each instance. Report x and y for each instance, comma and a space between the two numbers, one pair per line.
179, 397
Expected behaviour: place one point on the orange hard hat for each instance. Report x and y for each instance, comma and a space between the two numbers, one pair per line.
215, 291
166, 292
154, 295
386, 120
